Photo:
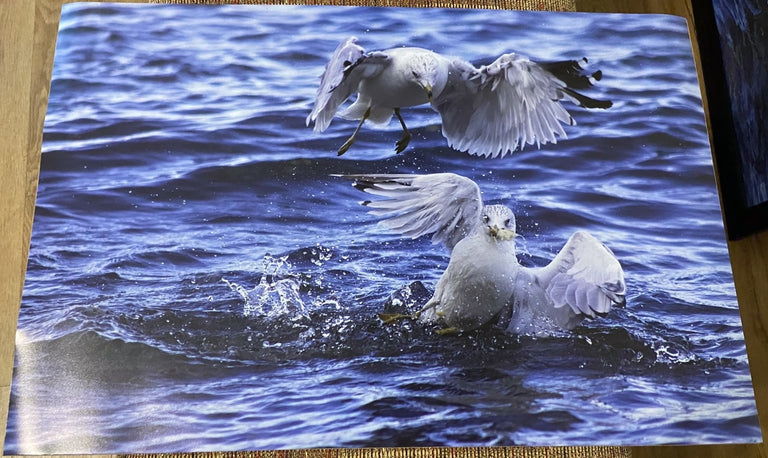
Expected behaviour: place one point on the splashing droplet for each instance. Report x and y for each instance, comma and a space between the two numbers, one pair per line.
276, 295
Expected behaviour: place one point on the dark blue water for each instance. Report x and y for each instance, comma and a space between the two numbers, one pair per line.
198, 281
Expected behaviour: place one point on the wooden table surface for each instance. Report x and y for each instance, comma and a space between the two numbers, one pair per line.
27, 39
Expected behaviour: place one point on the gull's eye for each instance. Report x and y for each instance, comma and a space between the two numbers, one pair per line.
486, 219
506, 222
415, 74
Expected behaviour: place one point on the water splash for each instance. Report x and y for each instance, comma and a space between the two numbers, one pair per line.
521, 246
276, 295
320, 255
672, 354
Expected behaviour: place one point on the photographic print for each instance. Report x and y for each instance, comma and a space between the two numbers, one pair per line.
288, 227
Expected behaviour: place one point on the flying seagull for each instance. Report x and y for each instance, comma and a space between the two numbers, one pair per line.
487, 111
484, 281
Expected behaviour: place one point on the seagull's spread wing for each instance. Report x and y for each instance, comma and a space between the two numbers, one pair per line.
585, 277
343, 72
493, 110
447, 205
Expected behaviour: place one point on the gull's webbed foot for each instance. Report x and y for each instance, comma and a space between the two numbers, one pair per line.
345, 147
352, 137
401, 144
389, 318
448, 331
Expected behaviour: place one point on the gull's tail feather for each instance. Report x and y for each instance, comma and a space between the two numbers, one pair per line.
376, 115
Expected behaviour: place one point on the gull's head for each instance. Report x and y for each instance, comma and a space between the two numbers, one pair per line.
424, 81
499, 222
429, 74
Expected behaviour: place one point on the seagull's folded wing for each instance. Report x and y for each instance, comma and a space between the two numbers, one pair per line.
343, 72
446, 205
585, 276
493, 110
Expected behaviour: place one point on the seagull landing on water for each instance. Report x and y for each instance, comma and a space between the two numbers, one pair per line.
487, 111
483, 282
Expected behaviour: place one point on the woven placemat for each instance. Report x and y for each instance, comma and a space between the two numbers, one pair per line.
535, 5
413, 452
419, 452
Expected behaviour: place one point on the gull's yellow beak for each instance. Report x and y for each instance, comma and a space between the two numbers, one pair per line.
428, 89
501, 234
